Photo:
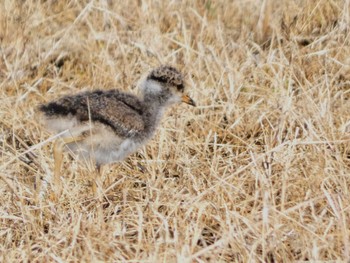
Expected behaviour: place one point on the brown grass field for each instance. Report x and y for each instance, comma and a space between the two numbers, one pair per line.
259, 171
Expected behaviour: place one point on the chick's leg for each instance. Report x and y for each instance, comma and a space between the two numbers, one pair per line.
58, 157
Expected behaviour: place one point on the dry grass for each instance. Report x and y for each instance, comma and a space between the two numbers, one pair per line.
258, 172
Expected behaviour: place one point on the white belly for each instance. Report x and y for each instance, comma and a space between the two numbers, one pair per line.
102, 145
114, 153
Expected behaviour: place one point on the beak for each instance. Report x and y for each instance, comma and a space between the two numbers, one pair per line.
188, 100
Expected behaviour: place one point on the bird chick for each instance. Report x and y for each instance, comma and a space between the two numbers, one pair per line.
106, 126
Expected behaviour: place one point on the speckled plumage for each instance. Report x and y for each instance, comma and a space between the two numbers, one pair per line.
114, 123
168, 75
120, 111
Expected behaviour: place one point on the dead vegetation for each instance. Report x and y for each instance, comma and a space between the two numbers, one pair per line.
258, 172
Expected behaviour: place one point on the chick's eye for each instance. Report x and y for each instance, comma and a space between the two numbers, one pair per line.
180, 87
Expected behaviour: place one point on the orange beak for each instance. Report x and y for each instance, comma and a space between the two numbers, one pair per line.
188, 100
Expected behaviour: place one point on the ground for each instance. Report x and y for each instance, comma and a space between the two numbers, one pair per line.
259, 171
